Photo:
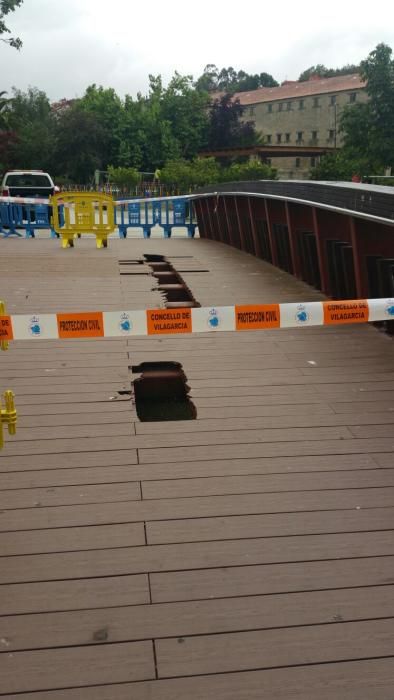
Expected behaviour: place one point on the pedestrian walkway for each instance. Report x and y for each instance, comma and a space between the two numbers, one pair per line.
244, 555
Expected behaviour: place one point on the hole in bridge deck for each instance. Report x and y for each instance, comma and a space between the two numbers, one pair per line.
161, 392
170, 283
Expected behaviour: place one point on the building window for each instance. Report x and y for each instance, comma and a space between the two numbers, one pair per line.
251, 111
314, 135
298, 162
269, 138
316, 102
301, 104
287, 138
268, 161
270, 108
352, 97
289, 106
333, 100
313, 162
300, 136
331, 135
278, 138
280, 106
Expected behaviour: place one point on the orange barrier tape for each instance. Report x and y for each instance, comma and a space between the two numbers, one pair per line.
117, 324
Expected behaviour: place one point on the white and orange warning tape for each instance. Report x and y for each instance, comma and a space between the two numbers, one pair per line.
115, 324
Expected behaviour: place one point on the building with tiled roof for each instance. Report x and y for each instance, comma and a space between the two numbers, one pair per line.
300, 114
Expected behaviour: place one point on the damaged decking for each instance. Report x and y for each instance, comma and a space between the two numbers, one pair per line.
245, 555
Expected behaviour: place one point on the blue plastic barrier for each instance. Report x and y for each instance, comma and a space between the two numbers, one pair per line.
150, 213
27, 218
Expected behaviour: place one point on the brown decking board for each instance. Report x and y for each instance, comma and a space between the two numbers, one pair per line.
246, 555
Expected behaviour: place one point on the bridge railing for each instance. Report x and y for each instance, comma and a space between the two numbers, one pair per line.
337, 238
23, 216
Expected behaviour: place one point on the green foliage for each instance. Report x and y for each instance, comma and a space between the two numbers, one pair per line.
339, 166
188, 174
124, 177
207, 171
378, 71
29, 116
79, 144
368, 128
7, 6
230, 80
253, 169
322, 72
4, 103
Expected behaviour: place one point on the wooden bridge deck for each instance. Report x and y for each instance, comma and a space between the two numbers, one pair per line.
246, 555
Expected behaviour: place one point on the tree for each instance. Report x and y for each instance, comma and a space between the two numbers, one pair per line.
29, 116
253, 169
378, 71
185, 109
230, 80
208, 81
124, 177
322, 71
368, 128
226, 128
188, 174
107, 109
4, 103
7, 6
79, 144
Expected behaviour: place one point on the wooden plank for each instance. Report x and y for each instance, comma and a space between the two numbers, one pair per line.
177, 557
384, 460
269, 422
124, 624
82, 430
70, 539
196, 507
364, 407
293, 396
268, 449
73, 594
104, 396
77, 666
168, 440
205, 412
252, 580
112, 474
214, 486
372, 431
99, 418
67, 460
69, 495
68, 445
74, 410
348, 680
270, 525
274, 648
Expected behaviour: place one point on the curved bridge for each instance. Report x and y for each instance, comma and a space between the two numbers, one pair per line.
244, 554
337, 237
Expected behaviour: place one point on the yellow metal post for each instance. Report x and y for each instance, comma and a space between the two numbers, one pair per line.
78, 213
3, 343
8, 415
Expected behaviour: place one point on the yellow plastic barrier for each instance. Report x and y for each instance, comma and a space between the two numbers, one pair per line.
81, 213
3, 343
8, 415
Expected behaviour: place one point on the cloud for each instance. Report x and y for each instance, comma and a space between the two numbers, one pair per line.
68, 46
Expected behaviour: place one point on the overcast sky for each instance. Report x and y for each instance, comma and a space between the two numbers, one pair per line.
70, 44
